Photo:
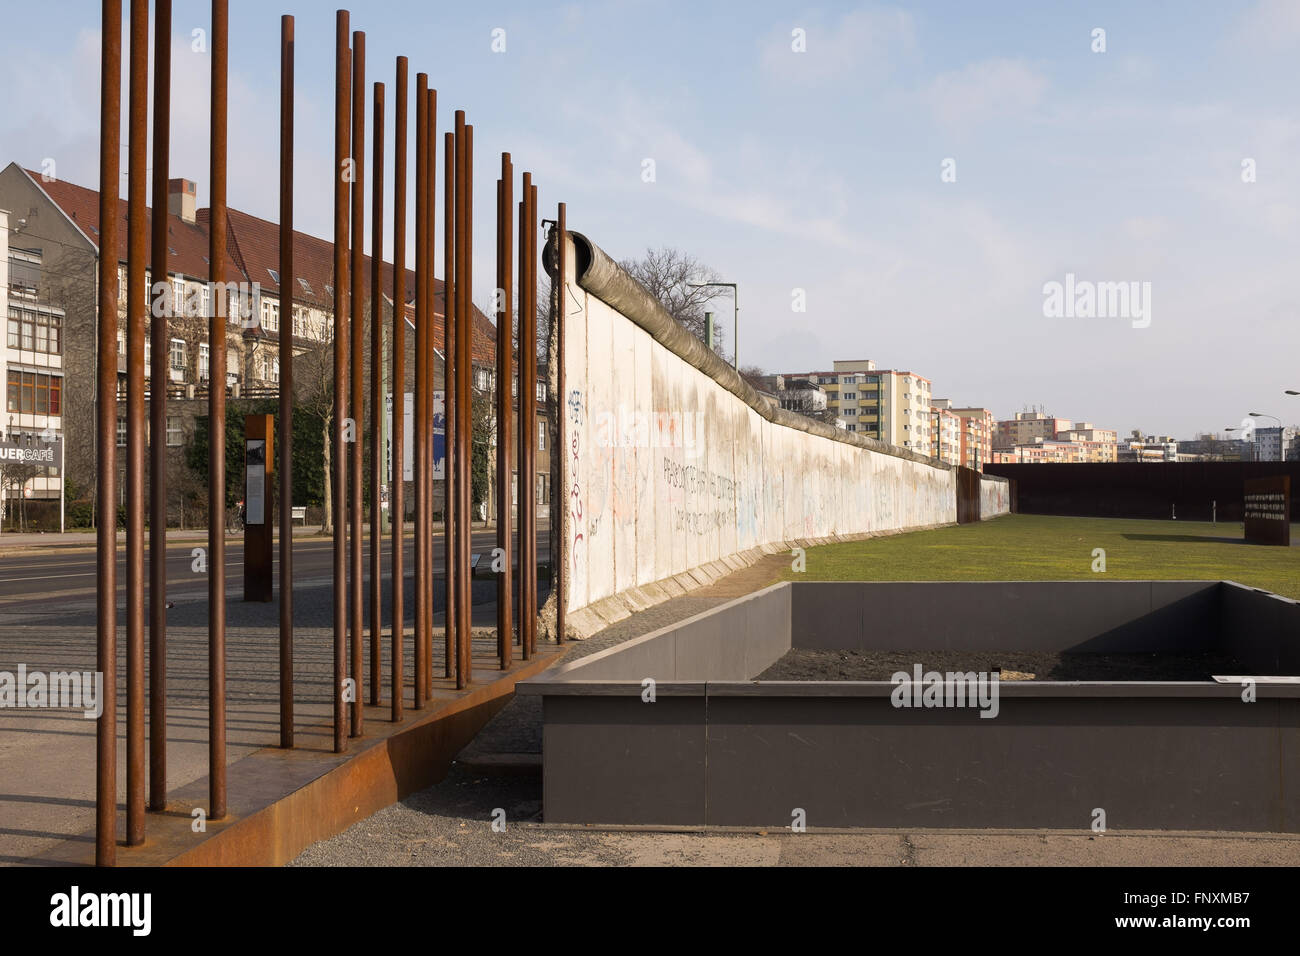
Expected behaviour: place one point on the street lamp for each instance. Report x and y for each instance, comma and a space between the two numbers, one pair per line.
1279, 430
735, 333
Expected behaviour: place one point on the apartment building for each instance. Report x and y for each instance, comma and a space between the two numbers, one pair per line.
32, 363
889, 405
945, 432
51, 280
1040, 451
1097, 445
976, 432
1148, 448
1027, 426
1037, 437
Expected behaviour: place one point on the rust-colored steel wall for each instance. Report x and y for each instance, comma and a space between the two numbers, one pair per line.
356, 398
216, 424
110, 117
159, 337
287, 278
342, 142
505, 381
423, 616
398, 435
137, 234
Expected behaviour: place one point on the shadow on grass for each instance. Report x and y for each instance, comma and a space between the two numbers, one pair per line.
1204, 539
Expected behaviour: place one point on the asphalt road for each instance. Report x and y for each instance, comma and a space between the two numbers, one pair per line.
67, 576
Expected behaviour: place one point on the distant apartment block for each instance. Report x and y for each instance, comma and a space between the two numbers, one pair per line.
889, 405
1214, 448
1148, 448
945, 432
1276, 444
1032, 437
976, 437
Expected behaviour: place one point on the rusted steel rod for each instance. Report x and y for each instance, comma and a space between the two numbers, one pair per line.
464, 381
533, 424
430, 199
376, 399
423, 636
136, 245
561, 573
287, 279
449, 398
110, 118
159, 336
338, 460
356, 402
527, 423
398, 435
505, 415
217, 426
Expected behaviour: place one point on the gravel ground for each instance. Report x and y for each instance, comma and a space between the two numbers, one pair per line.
808, 664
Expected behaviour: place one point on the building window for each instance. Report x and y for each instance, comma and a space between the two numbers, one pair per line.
178, 296
270, 369
543, 493
177, 356
34, 393
174, 433
541, 435
481, 379
541, 391
270, 316
121, 433
204, 362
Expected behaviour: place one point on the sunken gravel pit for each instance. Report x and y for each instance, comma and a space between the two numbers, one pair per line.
1171, 705
803, 663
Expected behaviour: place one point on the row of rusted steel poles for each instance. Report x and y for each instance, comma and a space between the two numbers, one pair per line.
349, 296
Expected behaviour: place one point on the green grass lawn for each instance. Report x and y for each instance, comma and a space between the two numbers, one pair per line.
1049, 548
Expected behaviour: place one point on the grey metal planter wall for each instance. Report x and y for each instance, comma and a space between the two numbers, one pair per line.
718, 748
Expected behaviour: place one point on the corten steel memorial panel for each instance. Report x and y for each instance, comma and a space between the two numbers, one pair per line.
1266, 510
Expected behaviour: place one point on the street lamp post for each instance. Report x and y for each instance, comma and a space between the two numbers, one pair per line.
735, 329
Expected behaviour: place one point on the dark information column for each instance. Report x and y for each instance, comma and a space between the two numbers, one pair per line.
1266, 510
259, 466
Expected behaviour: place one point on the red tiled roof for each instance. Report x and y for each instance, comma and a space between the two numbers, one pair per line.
186, 242
257, 245
252, 249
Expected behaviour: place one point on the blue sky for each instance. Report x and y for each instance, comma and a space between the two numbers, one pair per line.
821, 170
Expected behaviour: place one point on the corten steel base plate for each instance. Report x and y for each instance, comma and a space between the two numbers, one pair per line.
282, 801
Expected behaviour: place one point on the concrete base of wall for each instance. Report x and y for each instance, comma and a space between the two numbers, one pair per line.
595, 617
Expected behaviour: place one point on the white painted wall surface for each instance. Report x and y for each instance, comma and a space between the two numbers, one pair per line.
666, 470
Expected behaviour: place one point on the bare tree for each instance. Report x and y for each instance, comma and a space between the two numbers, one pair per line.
675, 278
313, 380
758, 378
